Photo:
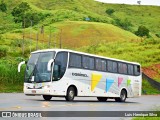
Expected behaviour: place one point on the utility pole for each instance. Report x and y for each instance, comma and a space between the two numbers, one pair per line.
30, 36
60, 40
23, 26
50, 35
54, 41
42, 32
37, 38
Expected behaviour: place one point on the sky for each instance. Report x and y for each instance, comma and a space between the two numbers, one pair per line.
133, 2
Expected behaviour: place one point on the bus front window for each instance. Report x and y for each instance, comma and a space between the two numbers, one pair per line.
37, 67
31, 64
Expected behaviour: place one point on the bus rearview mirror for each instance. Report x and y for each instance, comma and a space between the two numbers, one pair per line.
49, 64
19, 66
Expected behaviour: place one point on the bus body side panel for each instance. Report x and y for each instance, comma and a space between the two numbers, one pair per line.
94, 83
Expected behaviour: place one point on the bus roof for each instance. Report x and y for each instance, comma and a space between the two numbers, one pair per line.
67, 50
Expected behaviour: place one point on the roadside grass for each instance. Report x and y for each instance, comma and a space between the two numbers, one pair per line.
10, 79
11, 88
146, 118
147, 89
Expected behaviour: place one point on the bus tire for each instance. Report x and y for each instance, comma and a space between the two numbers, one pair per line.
70, 94
122, 97
47, 97
102, 99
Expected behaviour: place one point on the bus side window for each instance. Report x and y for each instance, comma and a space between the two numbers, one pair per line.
122, 68
110, 66
136, 70
115, 68
88, 62
91, 63
98, 64
104, 65
75, 60
61, 63
130, 69
85, 62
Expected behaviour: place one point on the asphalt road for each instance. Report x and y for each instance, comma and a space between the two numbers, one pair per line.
20, 102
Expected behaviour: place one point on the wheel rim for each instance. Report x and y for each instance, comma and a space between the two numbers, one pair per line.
71, 94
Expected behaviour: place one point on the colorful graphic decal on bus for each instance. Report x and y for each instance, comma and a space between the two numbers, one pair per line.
128, 82
120, 79
109, 82
95, 78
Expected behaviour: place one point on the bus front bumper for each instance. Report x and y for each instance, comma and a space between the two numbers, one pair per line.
33, 92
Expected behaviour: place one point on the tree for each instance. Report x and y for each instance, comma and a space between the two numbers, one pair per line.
20, 11
3, 6
25, 15
110, 11
142, 31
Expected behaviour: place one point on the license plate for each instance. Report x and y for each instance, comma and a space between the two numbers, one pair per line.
33, 91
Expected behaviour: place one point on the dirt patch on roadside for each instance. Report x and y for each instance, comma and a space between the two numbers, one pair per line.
152, 71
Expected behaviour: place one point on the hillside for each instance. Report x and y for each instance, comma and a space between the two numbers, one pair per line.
81, 25
78, 10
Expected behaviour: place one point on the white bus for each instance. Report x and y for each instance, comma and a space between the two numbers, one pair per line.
60, 72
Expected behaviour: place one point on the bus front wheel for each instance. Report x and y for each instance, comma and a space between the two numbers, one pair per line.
122, 97
47, 97
70, 94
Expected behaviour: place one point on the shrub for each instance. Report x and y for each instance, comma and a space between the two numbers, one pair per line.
124, 24
110, 11
142, 31
3, 6
158, 35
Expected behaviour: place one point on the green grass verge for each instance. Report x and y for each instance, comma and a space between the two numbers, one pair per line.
147, 89
146, 118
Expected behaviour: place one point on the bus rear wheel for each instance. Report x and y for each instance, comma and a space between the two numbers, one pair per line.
70, 94
122, 97
102, 99
47, 97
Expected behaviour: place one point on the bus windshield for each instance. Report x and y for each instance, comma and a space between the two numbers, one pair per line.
37, 67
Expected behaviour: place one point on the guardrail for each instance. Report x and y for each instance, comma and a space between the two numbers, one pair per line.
151, 81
